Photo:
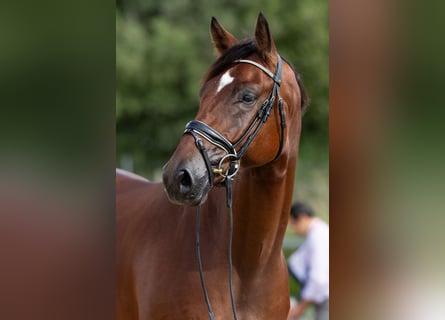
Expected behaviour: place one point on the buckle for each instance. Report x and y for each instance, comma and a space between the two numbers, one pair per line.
233, 167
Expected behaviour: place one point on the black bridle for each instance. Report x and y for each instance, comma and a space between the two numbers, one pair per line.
234, 153
200, 129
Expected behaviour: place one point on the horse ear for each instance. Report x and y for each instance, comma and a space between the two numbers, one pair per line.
263, 38
222, 39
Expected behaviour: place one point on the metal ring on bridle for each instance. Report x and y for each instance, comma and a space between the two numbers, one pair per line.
226, 175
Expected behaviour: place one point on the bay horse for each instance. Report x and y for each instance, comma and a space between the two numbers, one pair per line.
247, 129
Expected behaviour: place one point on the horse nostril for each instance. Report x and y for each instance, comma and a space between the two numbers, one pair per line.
185, 181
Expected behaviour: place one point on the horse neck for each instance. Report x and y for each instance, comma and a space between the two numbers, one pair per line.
262, 200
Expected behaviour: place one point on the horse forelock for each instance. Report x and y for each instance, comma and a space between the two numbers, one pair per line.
242, 50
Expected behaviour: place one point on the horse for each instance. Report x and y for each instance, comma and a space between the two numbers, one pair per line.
245, 137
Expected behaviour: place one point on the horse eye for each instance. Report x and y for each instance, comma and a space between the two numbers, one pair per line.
248, 98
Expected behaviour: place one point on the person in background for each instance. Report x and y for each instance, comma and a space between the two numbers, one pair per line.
310, 263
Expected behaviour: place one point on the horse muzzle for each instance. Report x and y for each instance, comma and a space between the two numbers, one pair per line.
186, 182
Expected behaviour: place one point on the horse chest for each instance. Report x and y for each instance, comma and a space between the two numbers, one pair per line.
182, 298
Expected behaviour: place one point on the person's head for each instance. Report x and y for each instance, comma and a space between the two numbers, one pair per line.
301, 215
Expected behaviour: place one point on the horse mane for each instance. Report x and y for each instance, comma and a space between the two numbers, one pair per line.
242, 50
304, 97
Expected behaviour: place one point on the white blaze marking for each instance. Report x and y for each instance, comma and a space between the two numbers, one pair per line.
224, 81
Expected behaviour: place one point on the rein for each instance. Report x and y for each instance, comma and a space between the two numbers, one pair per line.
199, 129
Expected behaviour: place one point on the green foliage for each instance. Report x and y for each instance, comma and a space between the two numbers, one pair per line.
163, 48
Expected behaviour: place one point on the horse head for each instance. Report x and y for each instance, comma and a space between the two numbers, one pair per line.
251, 104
